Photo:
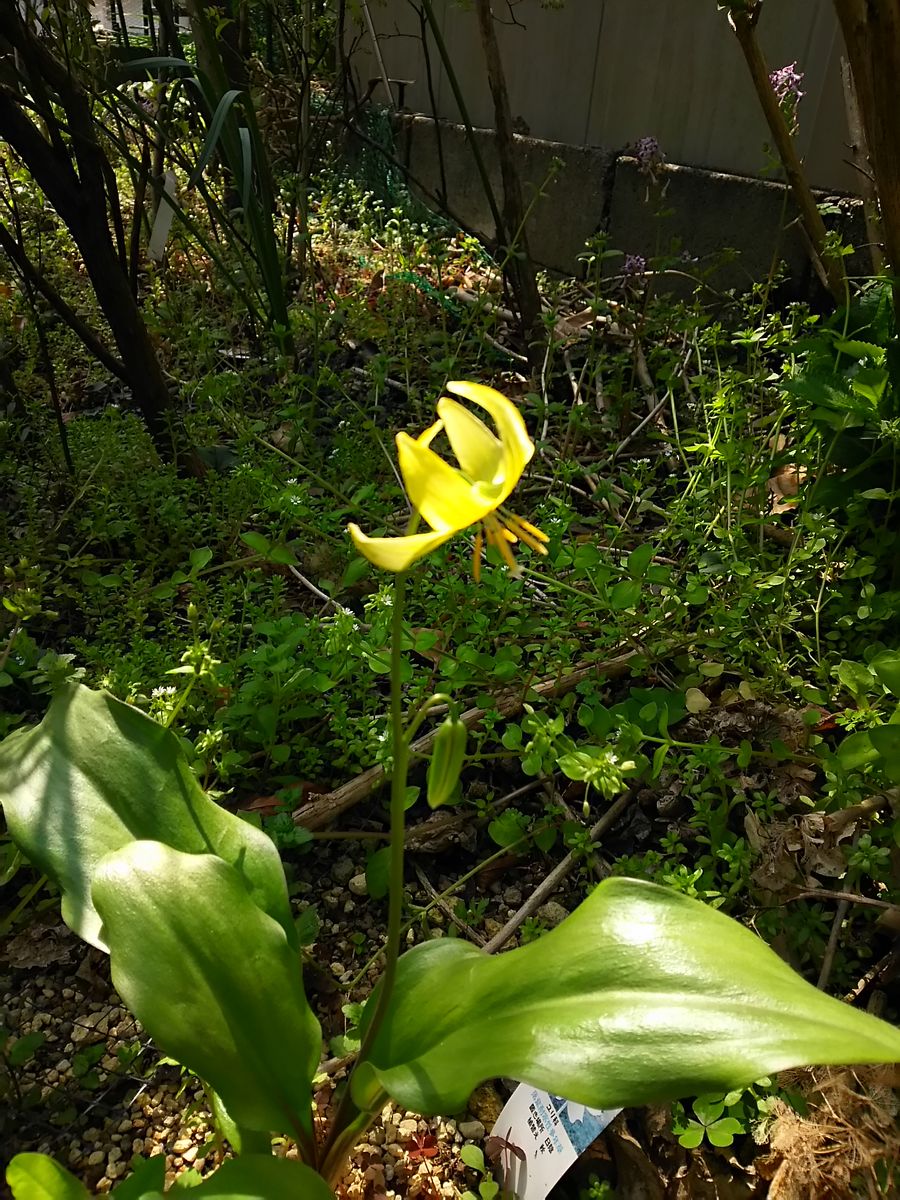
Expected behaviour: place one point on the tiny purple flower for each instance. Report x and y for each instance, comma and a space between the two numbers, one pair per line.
786, 83
648, 154
634, 264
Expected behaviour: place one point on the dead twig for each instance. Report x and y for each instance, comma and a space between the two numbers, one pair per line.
831, 949
556, 876
844, 897
472, 934
884, 969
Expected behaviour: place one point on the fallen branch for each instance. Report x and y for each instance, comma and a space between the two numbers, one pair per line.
320, 809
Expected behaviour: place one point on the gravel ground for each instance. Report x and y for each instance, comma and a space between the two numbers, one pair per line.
94, 1093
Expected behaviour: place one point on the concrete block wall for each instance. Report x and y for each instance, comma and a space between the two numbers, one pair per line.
579, 191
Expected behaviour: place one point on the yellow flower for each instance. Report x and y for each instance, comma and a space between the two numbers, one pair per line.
451, 499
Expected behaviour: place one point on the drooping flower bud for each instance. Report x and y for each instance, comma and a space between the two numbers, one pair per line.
447, 758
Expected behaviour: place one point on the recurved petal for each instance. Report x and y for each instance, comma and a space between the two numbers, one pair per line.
396, 553
518, 447
478, 452
426, 438
443, 496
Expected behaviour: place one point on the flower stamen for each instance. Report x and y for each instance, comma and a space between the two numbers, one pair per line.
526, 532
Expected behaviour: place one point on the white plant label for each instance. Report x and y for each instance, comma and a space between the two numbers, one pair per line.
551, 1132
159, 234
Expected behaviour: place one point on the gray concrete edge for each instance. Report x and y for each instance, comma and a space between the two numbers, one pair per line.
735, 227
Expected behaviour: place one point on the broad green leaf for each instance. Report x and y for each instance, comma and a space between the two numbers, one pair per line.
856, 678
708, 1108
639, 560
859, 349
625, 594
307, 925
157, 62
856, 751
356, 570
213, 133
212, 978
641, 995
378, 870
257, 1177
886, 666
257, 542
696, 701
283, 555
473, 1157
723, 1133
23, 1048
692, 1136
508, 828
200, 557
39, 1177
97, 774
886, 740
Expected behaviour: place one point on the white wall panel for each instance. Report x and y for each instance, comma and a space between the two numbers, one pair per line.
606, 72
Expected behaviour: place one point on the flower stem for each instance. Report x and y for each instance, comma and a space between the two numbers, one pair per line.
349, 1122
399, 767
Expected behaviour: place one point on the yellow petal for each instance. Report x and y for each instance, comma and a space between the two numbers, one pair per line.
518, 447
444, 497
426, 438
396, 553
478, 452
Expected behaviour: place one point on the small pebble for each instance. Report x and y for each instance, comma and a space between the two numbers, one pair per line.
343, 871
359, 886
552, 914
472, 1131
181, 1145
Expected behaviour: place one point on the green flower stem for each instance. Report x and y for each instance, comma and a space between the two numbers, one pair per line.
349, 1123
342, 1142
423, 710
399, 769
